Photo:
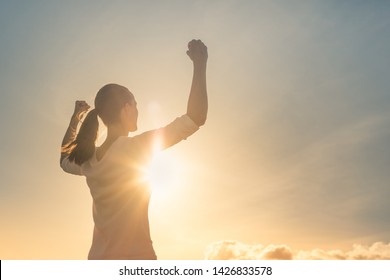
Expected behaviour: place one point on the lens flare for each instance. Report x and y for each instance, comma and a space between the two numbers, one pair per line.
162, 173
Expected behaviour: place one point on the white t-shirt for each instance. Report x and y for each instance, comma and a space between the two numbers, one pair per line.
121, 194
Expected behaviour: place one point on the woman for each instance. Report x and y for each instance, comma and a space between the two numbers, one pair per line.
114, 170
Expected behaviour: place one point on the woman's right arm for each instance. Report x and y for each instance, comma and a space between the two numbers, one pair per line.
197, 106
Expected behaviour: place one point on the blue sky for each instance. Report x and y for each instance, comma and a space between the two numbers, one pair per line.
295, 150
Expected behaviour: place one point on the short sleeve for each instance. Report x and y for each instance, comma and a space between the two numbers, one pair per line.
180, 129
71, 167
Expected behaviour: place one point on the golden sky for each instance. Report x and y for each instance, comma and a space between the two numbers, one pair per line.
294, 152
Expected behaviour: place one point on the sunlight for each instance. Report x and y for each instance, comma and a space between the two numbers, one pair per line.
163, 173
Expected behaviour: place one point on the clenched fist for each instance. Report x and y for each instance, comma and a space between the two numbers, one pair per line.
80, 108
197, 51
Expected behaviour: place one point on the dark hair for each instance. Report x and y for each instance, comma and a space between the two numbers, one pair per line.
109, 100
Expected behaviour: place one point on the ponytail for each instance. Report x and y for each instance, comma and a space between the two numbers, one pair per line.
83, 147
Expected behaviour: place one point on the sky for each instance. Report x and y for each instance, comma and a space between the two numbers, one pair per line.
292, 163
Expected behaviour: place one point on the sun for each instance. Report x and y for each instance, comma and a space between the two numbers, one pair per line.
163, 173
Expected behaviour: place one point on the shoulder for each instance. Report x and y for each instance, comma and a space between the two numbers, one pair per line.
127, 144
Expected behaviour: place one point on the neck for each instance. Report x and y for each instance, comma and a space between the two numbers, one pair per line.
115, 131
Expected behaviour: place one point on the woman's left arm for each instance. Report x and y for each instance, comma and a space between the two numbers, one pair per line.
81, 107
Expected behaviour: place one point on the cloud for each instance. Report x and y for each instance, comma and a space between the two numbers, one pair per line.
234, 250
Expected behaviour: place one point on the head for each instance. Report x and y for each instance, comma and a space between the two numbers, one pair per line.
116, 106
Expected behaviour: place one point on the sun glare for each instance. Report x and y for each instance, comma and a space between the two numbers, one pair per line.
162, 174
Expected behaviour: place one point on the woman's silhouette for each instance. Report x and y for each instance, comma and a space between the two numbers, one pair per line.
114, 170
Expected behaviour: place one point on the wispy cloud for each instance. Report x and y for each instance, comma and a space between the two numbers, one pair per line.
235, 250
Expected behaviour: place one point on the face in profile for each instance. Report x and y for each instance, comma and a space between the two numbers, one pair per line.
129, 116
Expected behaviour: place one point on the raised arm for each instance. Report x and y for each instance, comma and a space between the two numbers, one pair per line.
81, 107
197, 102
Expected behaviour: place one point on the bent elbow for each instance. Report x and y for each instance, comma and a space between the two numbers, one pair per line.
201, 121
62, 164
198, 119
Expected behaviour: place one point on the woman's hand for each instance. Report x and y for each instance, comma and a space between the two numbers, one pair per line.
197, 51
197, 102
80, 108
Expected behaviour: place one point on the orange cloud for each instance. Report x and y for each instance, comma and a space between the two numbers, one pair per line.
234, 250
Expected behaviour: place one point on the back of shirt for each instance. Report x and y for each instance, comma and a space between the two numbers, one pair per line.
120, 202
121, 194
